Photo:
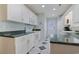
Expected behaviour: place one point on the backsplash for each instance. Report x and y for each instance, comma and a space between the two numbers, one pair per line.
29, 28
13, 26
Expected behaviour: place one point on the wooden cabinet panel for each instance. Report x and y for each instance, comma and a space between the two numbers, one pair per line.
7, 45
3, 11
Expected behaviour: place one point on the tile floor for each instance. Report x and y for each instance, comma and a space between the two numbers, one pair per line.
42, 47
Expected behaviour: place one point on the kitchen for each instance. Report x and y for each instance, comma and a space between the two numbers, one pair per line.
18, 32
21, 30
36, 28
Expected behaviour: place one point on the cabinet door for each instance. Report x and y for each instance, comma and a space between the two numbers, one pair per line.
24, 43
76, 13
7, 45
30, 41
25, 13
35, 20
37, 38
18, 43
31, 18
21, 45
31, 44
14, 12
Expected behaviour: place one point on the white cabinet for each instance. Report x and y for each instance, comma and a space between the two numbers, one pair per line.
35, 20
18, 13
14, 12
75, 17
21, 45
25, 14
30, 41
31, 21
18, 45
76, 13
32, 18
37, 38
24, 43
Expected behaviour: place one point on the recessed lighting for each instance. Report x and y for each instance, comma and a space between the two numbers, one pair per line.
54, 9
43, 6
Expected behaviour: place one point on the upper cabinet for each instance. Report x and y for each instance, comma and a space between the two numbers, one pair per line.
32, 18
75, 13
72, 15
35, 19
25, 14
17, 13
14, 12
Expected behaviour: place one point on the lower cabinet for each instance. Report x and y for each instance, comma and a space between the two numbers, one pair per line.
24, 44
18, 45
7, 45
37, 38
21, 46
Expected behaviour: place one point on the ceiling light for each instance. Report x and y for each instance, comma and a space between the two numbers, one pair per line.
43, 6
54, 9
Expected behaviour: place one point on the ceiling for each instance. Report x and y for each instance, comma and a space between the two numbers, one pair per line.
48, 9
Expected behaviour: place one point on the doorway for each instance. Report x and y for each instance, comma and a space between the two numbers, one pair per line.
52, 29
